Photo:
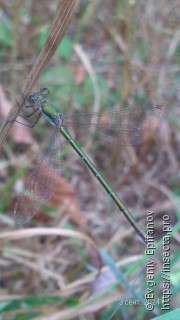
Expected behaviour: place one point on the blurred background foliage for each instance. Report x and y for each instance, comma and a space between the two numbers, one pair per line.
116, 53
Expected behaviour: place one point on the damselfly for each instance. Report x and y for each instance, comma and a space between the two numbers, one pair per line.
119, 126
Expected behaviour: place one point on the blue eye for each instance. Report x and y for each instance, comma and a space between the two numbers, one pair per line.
44, 91
31, 98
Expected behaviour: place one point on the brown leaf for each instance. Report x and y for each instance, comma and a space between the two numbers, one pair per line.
79, 72
65, 196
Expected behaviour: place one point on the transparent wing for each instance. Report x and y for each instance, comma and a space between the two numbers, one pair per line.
41, 183
120, 126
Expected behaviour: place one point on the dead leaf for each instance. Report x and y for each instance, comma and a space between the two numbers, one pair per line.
79, 72
66, 197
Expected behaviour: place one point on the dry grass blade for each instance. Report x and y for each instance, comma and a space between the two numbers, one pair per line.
15, 235
65, 12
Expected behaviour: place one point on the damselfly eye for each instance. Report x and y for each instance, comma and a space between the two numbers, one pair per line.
31, 98
44, 91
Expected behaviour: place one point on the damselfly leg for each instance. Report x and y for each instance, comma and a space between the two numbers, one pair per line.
27, 117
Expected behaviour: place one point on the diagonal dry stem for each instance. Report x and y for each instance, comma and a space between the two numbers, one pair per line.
65, 12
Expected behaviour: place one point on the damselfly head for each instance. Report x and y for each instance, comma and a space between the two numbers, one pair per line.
38, 97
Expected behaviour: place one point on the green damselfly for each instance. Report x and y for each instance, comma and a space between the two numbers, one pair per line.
120, 126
